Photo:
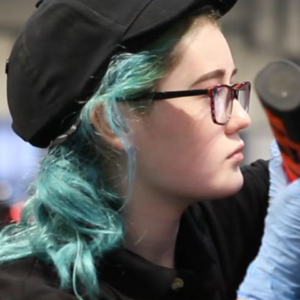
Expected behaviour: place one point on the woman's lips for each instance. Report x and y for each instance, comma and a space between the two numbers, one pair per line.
237, 154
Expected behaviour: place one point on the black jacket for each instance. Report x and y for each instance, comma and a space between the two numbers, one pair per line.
216, 242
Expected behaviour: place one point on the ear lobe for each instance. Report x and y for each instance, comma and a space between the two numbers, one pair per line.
101, 125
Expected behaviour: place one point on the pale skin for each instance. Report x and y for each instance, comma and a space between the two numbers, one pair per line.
182, 156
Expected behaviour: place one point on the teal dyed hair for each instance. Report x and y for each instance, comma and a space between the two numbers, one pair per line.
73, 214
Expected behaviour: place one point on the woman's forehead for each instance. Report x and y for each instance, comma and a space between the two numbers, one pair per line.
203, 38
202, 51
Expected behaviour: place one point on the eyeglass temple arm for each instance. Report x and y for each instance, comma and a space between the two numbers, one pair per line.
169, 95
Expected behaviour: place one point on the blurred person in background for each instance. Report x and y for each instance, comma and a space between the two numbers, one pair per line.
140, 195
18, 161
4, 215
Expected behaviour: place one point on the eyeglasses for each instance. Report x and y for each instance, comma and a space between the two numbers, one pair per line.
221, 98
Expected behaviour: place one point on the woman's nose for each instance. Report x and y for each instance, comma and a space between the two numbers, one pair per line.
239, 120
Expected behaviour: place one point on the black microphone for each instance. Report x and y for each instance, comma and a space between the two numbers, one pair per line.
278, 88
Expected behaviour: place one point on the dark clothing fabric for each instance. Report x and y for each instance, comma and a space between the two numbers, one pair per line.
216, 242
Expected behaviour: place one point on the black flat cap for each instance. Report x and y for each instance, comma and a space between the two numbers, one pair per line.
65, 42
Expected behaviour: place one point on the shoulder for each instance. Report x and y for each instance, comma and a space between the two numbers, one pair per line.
30, 279
234, 224
258, 169
256, 182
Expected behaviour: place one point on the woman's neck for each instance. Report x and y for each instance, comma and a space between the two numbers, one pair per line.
151, 229
152, 238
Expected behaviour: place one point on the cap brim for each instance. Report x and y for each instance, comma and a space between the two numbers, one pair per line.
150, 19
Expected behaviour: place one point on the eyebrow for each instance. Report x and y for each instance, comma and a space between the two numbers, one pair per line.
219, 73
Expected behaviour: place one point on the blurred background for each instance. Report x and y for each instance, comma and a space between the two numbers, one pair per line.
259, 31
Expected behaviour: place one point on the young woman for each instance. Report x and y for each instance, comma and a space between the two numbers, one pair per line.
138, 103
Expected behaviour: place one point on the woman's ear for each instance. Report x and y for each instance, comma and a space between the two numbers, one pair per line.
105, 131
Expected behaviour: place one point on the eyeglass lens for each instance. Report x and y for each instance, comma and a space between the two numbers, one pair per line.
243, 97
223, 102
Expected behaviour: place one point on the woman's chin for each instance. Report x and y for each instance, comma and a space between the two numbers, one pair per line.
235, 184
230, 184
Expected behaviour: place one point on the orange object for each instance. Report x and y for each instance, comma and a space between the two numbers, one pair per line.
15, 211
278, 89
290, 150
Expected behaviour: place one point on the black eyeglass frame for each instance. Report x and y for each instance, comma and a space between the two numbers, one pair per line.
211, 92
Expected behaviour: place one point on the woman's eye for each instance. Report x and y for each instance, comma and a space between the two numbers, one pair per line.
203, 97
